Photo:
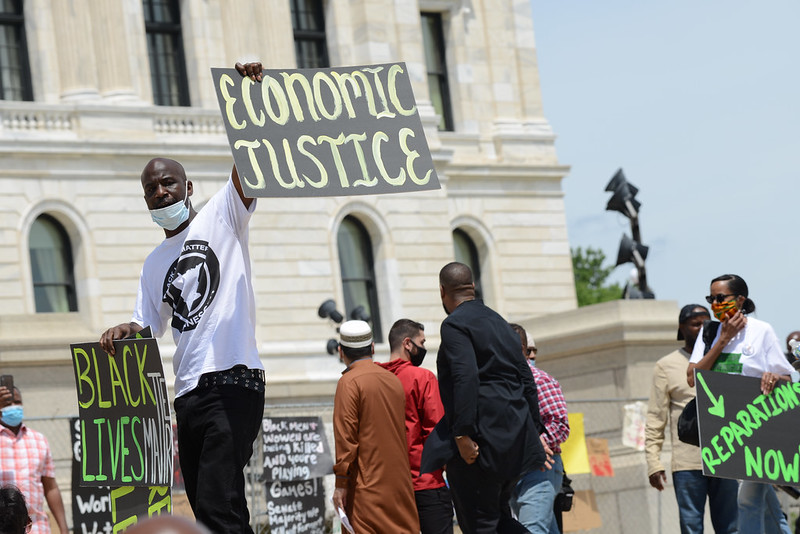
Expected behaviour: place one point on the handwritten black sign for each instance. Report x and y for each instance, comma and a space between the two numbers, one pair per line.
747, 435
325, 132
101, 509
125, 427
296, 507
295, 448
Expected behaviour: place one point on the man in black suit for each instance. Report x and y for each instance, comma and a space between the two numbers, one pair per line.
489, 436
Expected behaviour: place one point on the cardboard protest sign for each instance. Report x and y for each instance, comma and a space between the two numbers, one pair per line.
294, 507
584, 514
599, 457
325, 132
746, 435
126, 433
573, 451
103, 509
633, 425
295, 448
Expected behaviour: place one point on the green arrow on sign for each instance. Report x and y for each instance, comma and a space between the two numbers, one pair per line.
718, 407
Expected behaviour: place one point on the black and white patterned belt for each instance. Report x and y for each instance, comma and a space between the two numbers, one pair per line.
236, 376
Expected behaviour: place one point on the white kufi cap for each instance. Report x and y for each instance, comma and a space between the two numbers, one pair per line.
355, 334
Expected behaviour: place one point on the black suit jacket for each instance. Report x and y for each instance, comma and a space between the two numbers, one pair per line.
488, 393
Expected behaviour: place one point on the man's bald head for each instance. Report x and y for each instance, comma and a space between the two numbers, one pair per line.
164, 164
455, 285
455, 276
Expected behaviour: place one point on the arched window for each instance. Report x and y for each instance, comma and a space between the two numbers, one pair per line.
467, 253
51, 267
358, 271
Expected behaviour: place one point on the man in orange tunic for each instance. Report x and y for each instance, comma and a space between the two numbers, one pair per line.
373, 480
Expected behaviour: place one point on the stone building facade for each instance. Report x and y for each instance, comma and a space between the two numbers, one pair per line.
90, 90
101, 86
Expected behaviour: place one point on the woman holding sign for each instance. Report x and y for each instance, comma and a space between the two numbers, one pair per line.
744, 345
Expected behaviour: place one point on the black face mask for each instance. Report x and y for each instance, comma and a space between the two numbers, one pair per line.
416, 359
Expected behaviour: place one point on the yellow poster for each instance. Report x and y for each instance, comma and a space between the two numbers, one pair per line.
573, 451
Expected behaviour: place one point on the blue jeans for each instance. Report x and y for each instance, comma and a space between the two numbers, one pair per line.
691, 489
759, 510
533, 497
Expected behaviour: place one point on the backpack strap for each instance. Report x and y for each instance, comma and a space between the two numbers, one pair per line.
710, 329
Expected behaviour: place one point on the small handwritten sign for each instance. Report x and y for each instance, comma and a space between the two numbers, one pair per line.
745, 434
296, 507
295, 448
325, 132
599, 457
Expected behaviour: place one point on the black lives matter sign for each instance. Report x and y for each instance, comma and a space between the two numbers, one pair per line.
104, 510
745, 434
325, 132
125, 428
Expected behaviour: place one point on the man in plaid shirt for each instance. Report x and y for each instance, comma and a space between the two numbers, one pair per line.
26, 462
533, 498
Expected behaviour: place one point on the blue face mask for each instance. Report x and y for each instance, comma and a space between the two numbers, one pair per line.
12, 415
172, 216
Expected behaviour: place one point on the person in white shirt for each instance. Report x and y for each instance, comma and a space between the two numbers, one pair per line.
197, 284
744, 345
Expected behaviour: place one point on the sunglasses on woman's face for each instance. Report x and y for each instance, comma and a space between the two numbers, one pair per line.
719, 298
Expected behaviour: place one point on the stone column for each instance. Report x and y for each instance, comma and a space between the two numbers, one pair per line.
374, 29
112, 51
259, 31
77, 65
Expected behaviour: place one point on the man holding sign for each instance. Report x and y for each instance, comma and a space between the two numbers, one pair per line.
197, 283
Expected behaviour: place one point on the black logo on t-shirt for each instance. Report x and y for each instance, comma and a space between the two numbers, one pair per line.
191, 284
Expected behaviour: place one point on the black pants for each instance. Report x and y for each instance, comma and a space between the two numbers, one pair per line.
435, 509
216, 430
481, 500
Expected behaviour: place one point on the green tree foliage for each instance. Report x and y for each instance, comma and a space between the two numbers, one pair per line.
590, 277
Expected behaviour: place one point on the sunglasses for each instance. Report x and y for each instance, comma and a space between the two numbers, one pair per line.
719, 298
530, 350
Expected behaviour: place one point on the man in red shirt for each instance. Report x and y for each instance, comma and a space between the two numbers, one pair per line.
423, 410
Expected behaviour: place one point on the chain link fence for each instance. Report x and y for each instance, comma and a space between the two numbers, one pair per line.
625, 502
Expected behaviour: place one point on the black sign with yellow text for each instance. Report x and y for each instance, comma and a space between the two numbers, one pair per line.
101, 509
325, 132
745, 434
125, 427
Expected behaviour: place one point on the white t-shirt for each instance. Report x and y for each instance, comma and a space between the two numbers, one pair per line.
198, 283
753, 351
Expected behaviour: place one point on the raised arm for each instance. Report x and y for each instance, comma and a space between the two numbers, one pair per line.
254, 72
